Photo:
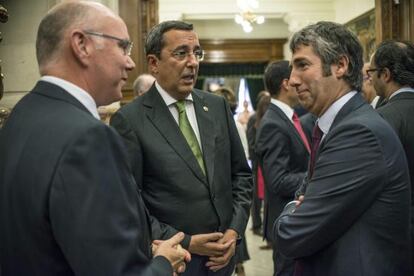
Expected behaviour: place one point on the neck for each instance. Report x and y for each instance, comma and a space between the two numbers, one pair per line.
393, 87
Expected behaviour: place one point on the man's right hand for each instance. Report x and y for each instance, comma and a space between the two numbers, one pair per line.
172, 250
299, 200
207, 244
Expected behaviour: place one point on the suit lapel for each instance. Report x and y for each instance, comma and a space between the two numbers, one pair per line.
160, 116
289, 125
207, 135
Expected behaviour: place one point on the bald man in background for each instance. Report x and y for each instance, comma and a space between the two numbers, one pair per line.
142, 84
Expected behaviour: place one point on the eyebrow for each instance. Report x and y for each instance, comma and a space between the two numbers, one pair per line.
185, 47
298, 60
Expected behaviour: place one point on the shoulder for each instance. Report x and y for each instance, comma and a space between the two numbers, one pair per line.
207, 96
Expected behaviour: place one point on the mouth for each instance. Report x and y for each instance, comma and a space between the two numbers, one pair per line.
188, 78
302, 91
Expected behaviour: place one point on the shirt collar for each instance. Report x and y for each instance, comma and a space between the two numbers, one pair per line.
326, 120
403, 89
78, 93
167, 97
286, 109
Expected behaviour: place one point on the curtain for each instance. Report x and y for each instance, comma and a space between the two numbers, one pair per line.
200, 83
233, 83
232, 69
255, 86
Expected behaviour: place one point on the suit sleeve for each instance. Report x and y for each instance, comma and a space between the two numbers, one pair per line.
241, 177
95, 210
348, 177
273, 146
160, 231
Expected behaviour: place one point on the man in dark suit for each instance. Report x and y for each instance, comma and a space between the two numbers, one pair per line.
186, 154
283, 152
392, 73
68, 202
353, 217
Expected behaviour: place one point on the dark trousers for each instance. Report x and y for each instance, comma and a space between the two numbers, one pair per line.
281, 265
256, 208
197, 267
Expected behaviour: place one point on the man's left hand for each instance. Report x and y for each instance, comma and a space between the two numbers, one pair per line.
216, 263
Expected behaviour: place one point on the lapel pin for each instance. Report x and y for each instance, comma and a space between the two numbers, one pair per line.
205, 108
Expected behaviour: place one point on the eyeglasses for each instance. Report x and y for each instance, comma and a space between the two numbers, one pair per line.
369, 71
124, 44
183, 54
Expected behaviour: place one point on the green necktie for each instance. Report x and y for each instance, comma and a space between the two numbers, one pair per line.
188, 133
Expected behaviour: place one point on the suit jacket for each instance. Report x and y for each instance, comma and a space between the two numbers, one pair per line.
284, 160
176, 192
354, 219
68, 202
399, 113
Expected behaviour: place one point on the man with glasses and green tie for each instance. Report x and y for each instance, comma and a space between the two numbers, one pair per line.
186, 154
68, 201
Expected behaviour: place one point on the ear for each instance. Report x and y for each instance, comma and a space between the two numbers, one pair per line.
81, 47
285, 84
387, 74
340, 69
153, 61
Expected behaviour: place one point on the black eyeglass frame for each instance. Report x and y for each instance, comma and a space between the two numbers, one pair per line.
368, 71
125, 44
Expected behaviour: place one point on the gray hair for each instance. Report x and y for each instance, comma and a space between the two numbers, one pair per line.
155, 39
331, 41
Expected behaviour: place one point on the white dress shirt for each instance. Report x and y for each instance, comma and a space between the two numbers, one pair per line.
189, 109
325, 121
286, 109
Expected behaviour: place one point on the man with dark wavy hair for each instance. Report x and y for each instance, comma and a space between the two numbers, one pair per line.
392, 73
352, 215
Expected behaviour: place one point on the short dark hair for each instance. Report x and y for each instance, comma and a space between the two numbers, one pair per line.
53, 26
331, 41
274, 75
155, 38
398, 57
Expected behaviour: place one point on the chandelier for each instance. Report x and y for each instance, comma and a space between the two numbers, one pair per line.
246, 18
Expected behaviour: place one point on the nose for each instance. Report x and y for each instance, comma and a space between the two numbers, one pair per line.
192, 60
294, 79
130, 64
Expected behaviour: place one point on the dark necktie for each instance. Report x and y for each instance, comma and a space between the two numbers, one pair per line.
188, 133
298, 126
316, 140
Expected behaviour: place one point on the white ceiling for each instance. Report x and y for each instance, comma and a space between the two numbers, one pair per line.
215, 18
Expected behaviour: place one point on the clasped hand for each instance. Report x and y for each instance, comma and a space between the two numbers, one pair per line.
218, 246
